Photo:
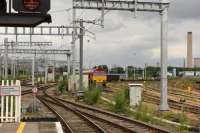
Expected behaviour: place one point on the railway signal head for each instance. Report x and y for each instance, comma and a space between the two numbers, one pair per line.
33, 6
30, 13
3, 6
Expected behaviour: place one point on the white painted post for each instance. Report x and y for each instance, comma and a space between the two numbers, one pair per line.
2, 103
164, 92
18, 83
7, 105
11, 105
16, 109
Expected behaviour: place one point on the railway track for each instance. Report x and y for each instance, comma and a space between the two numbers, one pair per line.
151, 95
193, 96
72, 120
192, 104
109, 122
40, 88
79, 118
26, 83
178, 92
173, 104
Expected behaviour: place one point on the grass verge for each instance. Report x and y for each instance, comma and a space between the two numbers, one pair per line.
92, 96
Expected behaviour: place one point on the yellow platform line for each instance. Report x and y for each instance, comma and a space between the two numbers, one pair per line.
21, 127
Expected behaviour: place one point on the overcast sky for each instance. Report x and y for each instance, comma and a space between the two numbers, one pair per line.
126, 40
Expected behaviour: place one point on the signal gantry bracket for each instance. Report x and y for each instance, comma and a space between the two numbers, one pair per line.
120, 5
24, 19
36, 51
41, 30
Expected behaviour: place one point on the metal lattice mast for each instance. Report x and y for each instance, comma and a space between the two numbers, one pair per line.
33, 71
81, 57
69, 72
73, 50
7, 51
46, 71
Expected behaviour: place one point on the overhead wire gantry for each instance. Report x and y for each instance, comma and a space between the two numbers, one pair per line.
160, 6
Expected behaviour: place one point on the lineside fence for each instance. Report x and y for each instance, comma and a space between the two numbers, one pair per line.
10, 93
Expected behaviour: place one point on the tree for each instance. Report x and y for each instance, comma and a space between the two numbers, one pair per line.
119, 70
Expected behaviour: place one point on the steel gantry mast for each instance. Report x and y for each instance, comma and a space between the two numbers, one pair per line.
43, 30
164, 25
74, 59
32, 51
160, 7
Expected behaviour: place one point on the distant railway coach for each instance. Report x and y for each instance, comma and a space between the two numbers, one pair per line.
113, 77
116, 77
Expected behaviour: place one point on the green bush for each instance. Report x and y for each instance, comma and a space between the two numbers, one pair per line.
120, 103
62, 86
92, 96
65, 77
143, 113
57, 77
169, 115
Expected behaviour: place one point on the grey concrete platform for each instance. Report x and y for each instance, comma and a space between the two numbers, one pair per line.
30, 127
8, 128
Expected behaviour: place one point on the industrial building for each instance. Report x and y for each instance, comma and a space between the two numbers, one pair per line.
196, 62
189, 50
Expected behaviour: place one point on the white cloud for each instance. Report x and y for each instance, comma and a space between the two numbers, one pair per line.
123, 35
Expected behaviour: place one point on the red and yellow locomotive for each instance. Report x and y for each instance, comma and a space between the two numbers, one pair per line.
97, 77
